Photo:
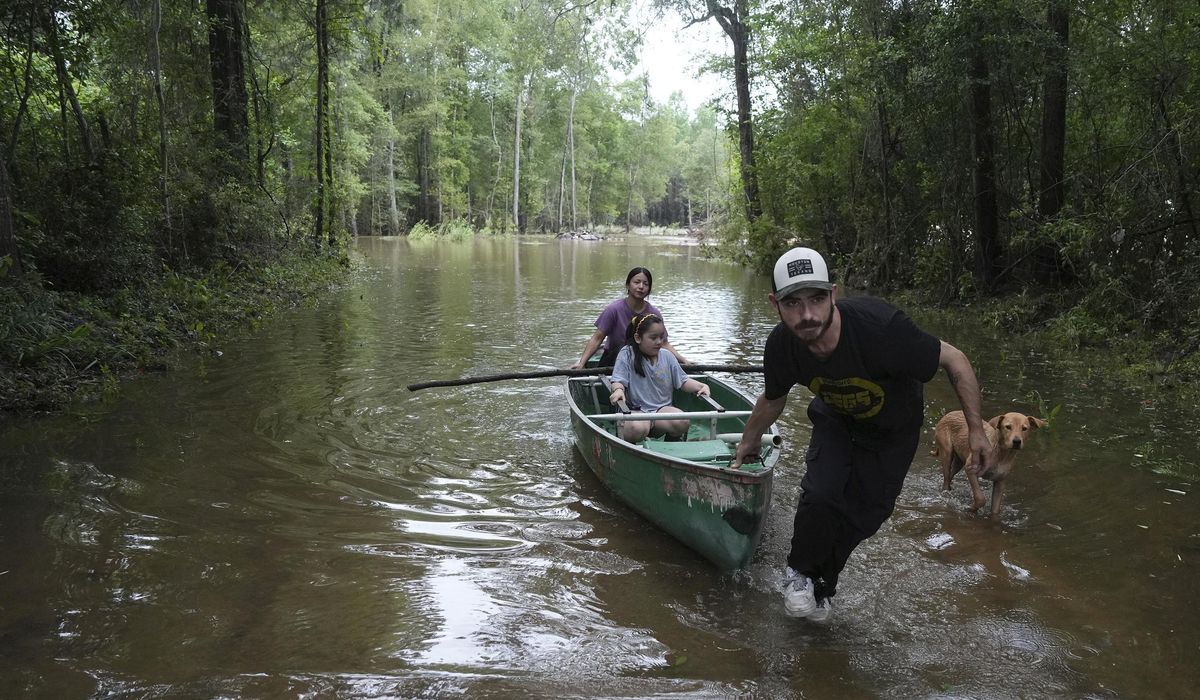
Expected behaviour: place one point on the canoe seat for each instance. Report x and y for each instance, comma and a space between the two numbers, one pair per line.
695, 451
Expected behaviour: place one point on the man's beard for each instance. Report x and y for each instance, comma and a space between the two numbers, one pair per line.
822, 325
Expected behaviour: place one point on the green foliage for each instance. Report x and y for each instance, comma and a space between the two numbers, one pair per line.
867, 151
31, 330
1022, 312
1152, 456
87, 232
865, 148
422, 231
55, 347
1048, 414
495, 232
454, 230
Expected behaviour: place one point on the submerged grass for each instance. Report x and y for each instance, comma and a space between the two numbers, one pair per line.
1114, 360
452, 230
56, 348
1158, 363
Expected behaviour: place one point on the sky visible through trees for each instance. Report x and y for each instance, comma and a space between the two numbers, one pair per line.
965, 149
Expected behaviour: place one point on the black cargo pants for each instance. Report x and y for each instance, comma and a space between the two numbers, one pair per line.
848, 491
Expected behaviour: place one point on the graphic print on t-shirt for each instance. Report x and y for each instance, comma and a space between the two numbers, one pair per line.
854, 396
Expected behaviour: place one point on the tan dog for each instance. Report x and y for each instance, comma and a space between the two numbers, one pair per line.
1007, 433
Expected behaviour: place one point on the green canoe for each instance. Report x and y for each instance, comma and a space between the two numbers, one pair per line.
685, 488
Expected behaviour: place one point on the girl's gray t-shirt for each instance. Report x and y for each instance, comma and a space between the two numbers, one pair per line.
653, 391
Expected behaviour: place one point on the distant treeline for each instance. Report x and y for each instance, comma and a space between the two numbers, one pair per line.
135, 133
964, 148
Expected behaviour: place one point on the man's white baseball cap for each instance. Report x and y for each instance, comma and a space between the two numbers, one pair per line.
800, 268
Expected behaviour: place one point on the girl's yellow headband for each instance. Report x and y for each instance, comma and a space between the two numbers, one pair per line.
637, 329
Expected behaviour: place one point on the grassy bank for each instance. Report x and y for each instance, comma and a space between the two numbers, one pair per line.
56, 348
1113, 345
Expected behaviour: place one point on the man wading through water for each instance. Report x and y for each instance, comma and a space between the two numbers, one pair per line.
865, 362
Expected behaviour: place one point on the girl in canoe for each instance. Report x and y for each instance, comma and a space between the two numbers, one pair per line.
645, 377
611, 325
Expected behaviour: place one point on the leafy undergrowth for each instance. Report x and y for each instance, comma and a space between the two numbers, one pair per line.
1114, 345
56, 347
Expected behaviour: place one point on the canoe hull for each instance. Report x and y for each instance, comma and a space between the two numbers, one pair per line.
717, 511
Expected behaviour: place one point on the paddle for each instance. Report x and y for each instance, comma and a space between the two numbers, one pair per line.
585, 372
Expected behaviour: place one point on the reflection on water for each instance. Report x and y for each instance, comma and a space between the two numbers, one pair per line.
289, 520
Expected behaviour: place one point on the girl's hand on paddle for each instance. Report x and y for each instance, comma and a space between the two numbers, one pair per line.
618, 394
577, 365
703, 390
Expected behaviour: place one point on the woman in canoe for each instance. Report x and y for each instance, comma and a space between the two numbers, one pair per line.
646, 378
611, 325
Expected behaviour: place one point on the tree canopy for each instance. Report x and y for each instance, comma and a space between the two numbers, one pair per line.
964, 148
977, 147
140, 134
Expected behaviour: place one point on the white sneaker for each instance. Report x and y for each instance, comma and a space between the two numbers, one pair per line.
798, 600
824, 607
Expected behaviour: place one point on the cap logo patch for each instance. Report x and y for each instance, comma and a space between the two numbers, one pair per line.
802, 266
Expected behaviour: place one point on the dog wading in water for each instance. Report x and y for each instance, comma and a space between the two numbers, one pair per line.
1006, 434
865, 363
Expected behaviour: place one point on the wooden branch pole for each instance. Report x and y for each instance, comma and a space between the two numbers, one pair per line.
585, 372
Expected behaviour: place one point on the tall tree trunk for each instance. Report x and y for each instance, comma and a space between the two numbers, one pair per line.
260, 150
629, 199
716, 174
26, 89
227, 63
441, 204
733, 23
262, 121
1052, 189
562, 187
1187, 230
491, 200
568, 157
987, 225
1048, 260
426, 210
580, 55
884, 263
289, 177
8, 237
571, 149
588, 206
327, 162
393, 207
516, 209
67, 88
321, 223
156, 66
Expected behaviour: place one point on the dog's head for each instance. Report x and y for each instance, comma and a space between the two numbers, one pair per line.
1013, 429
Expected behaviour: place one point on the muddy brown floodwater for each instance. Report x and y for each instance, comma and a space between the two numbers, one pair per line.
287, 520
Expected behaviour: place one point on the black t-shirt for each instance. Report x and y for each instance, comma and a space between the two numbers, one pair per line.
872, 381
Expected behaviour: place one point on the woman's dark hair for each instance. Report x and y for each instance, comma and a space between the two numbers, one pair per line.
637, 325
644, 271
